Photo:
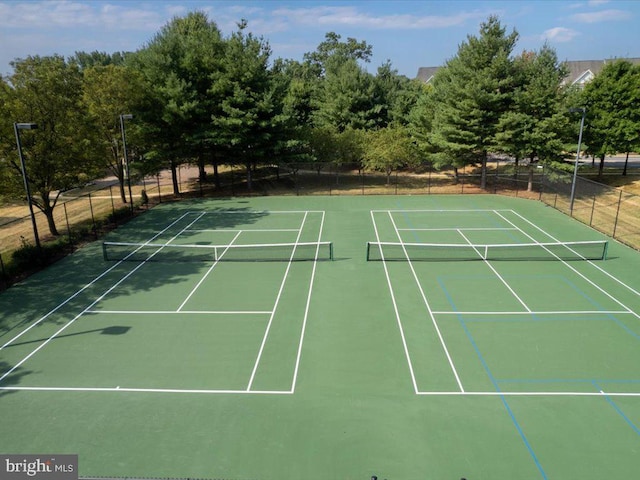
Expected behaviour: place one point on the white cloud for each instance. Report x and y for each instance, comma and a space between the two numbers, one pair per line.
351, 16
596, 3
559, 34
70, 14
601, 16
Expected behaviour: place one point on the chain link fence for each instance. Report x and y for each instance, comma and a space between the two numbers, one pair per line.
81, 213
610, 210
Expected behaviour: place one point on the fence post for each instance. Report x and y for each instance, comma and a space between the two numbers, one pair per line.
615, 223
113, 206
93, 218
2, 271
66, 217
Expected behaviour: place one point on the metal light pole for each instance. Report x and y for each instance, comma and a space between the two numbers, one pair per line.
123, 117
575, 169
16, 128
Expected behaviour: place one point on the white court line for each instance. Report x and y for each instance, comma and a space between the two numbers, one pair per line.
143, 390
637, 315
181, 312
85, 287
245, 212
395, 306
488, 264
306, 312
70, 322
275, 307
452, 229
540, 312
287, 392
426, 302
231, 230
208, 271
588, 261
531, 394
440, 210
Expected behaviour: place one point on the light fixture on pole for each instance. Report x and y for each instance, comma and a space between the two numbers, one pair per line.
16, 128
123, 117
575, 169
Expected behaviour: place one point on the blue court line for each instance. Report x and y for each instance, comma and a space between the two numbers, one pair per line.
618, 410
567, 380
502, 397
447, 295
499, 223
409, 224
533, 317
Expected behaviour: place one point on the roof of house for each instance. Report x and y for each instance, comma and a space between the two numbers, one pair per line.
580, 71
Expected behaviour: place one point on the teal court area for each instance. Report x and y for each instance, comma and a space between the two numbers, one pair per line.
407, 337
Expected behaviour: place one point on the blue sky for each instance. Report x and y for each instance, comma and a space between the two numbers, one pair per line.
411, 34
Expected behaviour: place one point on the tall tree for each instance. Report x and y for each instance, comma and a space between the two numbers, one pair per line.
535, 126
472, 92
249, 123
178, 65
611, 99
110, 91
96, 58
333, 51
346, 99
48, 91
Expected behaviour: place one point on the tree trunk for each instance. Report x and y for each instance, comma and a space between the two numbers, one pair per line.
216, 175
47, 209
601, 166
202, 173
530, 180
174, 178
626, 162
249, 176
456, 175
483, 172
120, 176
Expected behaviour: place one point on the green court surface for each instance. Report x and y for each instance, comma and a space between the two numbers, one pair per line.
301, 362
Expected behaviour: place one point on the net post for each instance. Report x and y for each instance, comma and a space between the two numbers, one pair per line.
368, 248
606, 250
104, 252
330, 250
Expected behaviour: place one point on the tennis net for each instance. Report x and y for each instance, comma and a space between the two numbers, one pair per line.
396, 251
169, 252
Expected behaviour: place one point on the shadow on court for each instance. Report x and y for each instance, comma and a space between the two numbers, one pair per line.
76, 281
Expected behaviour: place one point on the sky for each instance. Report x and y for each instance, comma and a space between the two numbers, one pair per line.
408, 33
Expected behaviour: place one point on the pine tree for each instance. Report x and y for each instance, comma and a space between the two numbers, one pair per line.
471, 93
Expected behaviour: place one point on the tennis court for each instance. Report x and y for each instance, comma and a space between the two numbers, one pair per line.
437, 337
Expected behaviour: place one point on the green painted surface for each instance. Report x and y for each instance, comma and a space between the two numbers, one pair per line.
271, 370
